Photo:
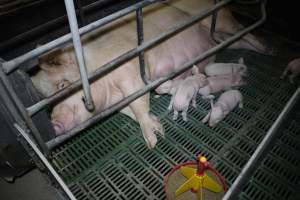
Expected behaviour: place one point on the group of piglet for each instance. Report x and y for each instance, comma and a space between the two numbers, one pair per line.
218, 77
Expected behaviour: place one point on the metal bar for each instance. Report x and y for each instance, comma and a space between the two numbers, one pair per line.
23, 111
46, 162
13, 64
125, 57
263, 148
88, 100
121, 104
140, 34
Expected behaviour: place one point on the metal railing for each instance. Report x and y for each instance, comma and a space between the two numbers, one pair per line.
20, 112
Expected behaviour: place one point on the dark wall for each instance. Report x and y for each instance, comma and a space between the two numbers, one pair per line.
51, 15
283, 18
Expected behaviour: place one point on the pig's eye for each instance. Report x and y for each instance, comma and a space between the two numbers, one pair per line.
54, 62
62, 84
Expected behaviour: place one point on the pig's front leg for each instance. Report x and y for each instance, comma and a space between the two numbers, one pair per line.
141, 109
184, 113
175, 115
241, 104
171, 102
194, 100
283, 75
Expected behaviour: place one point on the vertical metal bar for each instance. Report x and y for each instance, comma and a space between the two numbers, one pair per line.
20, 107
261, 150
140, 36
88, 101
46, 162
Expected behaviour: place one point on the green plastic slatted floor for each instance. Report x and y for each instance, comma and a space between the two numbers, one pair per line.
111, 160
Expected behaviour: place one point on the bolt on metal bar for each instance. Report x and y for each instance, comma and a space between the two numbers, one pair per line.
46, 162
263, 148
124, 57
20, 107
13, 64
140, 36
88, 100
121, 104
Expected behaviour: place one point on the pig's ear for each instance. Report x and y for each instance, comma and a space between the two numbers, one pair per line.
195, 70
241, 60
206, 118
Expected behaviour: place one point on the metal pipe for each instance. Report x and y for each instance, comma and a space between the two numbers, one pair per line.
13, 64
20, 107
261, 150
46, 162
121, 104
124, 57
140, 36
88, 100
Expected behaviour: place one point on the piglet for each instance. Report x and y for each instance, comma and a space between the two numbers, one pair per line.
217, 69
184, 93
294, 68
168, 87
226, 103
220, 83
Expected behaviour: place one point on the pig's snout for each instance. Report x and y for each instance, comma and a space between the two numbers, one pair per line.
58, 127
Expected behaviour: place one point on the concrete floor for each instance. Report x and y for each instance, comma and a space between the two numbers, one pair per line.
31, 186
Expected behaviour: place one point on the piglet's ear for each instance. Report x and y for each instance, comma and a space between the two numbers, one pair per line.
195, 70
241, 60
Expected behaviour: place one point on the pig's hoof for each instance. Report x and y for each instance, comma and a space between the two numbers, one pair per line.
156, 126
151, 141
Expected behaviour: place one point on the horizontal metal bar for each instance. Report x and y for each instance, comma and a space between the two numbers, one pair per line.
88, 100
13, 64
261, 151
121, 104
125, 57
45, 162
